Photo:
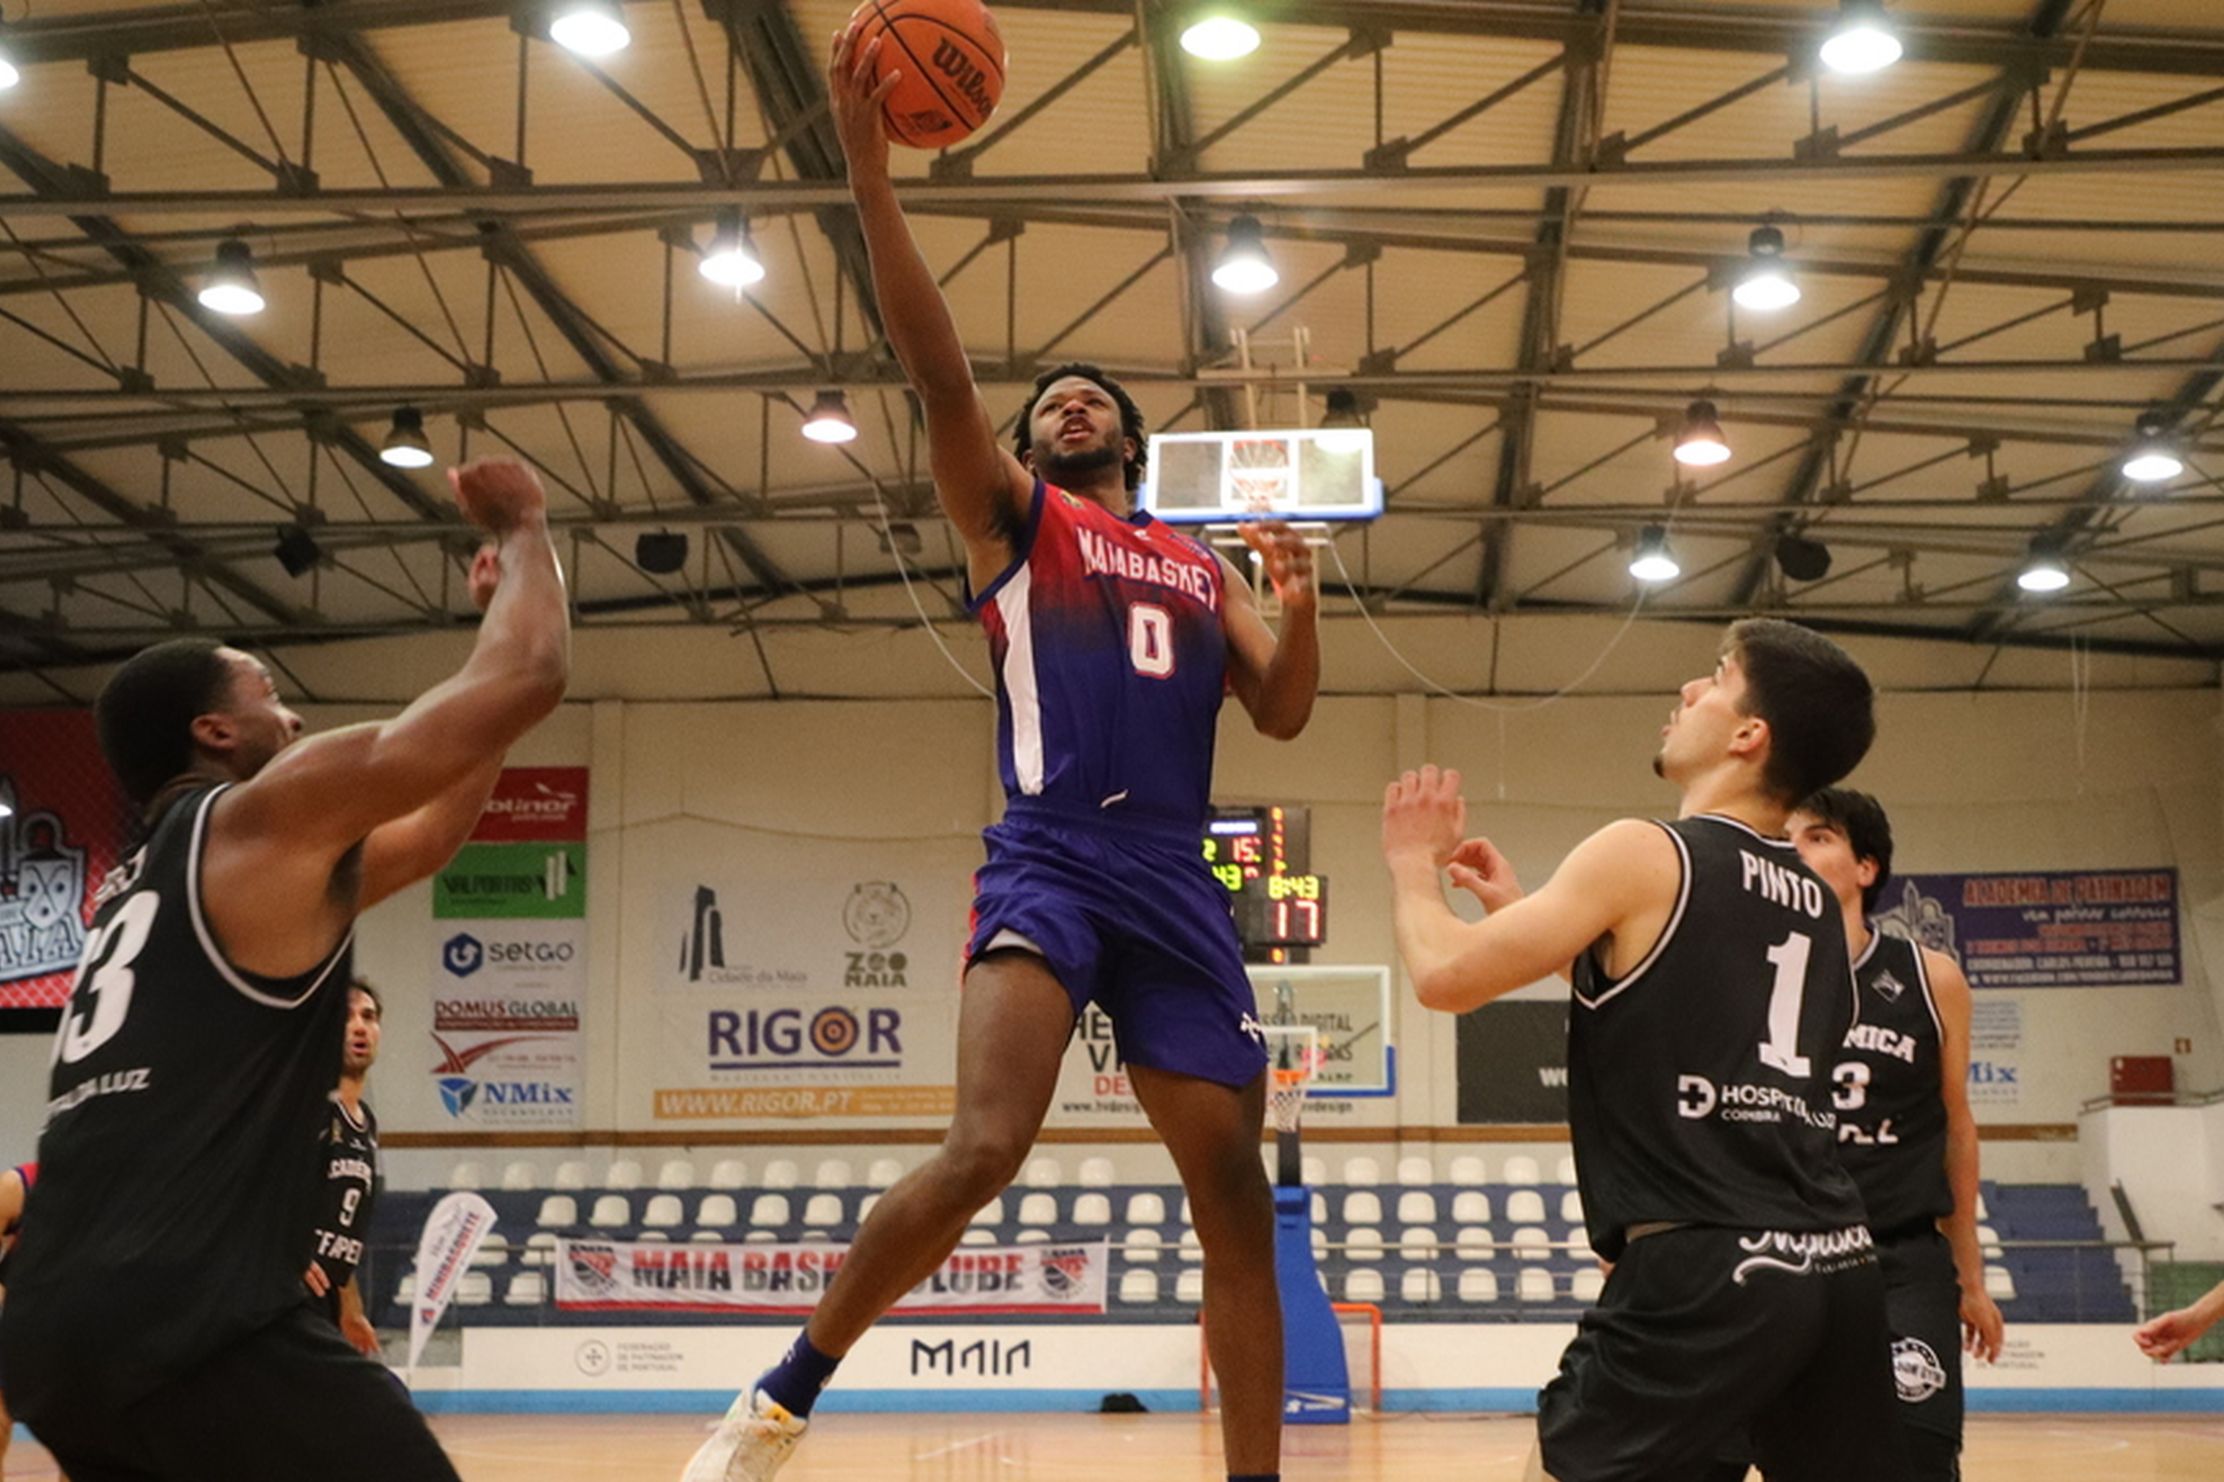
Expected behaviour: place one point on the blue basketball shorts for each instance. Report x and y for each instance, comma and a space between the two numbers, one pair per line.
1132, 920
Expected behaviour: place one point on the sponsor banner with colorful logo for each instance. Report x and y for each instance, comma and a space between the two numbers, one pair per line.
453, 1232
547, 881
615, 1276
505, 1045
63, 826
535, 805
744, 1057
2050, 929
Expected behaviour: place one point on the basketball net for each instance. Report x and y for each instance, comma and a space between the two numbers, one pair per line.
1293, 1059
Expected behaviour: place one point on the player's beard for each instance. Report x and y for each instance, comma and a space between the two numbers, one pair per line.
1059, 466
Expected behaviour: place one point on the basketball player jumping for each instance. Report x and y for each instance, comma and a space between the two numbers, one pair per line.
1711, 993
347, 1153
156, 1328
1114, 639
1905, 1132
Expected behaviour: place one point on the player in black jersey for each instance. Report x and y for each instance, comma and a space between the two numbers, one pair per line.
156, 1326
1905, 1133
347, 1158
1711, 993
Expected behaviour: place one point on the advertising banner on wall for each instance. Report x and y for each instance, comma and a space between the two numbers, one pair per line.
2051, 929
508, 989
1512, 1059
63, 826
613, 1276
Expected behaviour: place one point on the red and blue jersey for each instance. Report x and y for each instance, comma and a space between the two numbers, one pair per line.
1111, 663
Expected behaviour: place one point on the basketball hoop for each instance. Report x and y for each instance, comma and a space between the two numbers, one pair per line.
1293, 1059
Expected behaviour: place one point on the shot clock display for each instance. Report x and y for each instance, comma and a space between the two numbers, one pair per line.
1261, 855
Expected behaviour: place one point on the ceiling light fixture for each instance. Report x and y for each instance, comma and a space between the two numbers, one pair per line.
9, 77
1220, 38
590, 28
1766, 284
2153, 458
1863, 40
2044, 569
731, 259
1244, 267
1700, 443
829, 421
1653, 563
405, 445
232, 287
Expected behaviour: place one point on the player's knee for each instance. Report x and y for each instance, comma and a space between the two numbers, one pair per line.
976, 1167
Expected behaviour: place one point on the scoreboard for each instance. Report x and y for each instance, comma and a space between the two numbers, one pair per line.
1261, 854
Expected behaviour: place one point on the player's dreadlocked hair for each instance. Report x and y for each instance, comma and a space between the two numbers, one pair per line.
1131, 415
146, 710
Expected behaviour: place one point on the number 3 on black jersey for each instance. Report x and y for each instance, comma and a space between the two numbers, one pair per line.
105, 980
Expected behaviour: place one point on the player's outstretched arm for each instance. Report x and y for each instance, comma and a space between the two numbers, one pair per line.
1620, 882
1275, 678
1980, 1315
323, 795
2163, 1338
982, 488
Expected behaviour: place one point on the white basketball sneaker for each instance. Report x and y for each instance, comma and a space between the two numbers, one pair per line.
749, 1444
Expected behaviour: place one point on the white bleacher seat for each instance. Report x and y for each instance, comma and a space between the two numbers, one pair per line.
1191, 1248
1520, 1171
1564, 1171
883, 1173
865, 1206
676, 1173
1589, 1284
1032, 1237
717, 1209
1092, 1209
518, 1177
570, 1174
623, 1174
654, 1237
760, 1237
781, 1173
815, 1237
540, 1249
2000, 1284
1534, 1285
467, 1175
1363, 1244
1525, 1207
406, 1290
729, 1173
1416, 1172
493, 1251
1039, 1209
526, 1289
1417, 1243
1318, 1204
475, 1290
1469, 1173
1186, 1217
834, 1173
1579, 1244
1190, 1286
1475, 1243
1142, 1244
1313, 1170
1146, 1209
1420, 1286
822, 1211
1478, 1285
1471, 1207
1096, 1173
1531, 1243
1417, 1207
1362, 1171
1138, 1287
769, 1209
978, 1236
991, 1213
1362, 1207
1982, 1212
558, 1211
1363, 1286
1044, 1173
1571, 1207
1320, 1245
1988, 1241
611, 1212
664, 1211
707, 1237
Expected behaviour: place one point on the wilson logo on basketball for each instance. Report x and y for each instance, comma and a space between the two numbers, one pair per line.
950, 61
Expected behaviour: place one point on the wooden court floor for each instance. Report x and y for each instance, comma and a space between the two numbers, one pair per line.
1183, 1448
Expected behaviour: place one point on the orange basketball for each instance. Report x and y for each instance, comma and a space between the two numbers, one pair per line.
952, 60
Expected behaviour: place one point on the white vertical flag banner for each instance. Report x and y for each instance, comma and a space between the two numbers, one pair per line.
453, 1232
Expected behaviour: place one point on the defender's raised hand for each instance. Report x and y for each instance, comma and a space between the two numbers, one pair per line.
1479, 869
1424, 815
499, 495
856, 100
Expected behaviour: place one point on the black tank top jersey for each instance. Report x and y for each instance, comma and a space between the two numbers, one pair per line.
178, 1176
347, 1160
1891, 1122
1698, 1083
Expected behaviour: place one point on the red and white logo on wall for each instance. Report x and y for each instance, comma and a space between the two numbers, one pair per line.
63, 824
535, 805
